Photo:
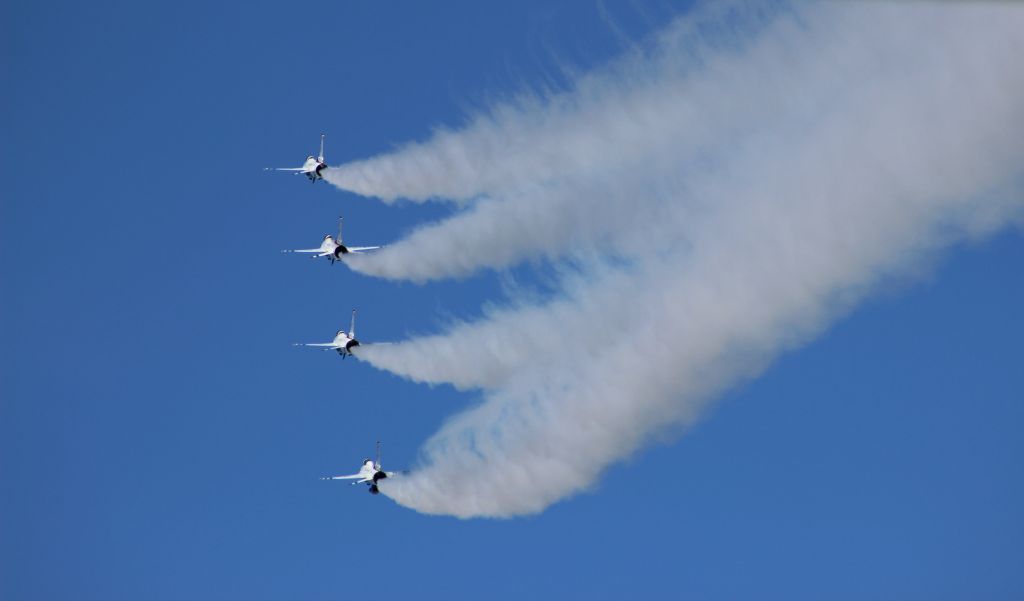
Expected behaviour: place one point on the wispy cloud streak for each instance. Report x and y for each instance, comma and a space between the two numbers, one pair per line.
725, 195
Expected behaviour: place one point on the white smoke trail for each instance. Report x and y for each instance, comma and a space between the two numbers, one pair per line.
540, 139
750, 237
657, 114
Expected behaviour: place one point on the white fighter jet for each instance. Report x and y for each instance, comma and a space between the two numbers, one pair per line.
332, 248
370, 473
343, 341
313, 167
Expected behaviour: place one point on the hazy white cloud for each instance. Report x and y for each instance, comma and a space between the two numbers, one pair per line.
725, 194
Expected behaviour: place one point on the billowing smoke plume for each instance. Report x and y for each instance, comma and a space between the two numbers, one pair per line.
721, 196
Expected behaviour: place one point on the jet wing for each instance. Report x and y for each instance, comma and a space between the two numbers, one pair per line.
303, 250
357, 249
352, 477
365, 475
327, 344
284, 168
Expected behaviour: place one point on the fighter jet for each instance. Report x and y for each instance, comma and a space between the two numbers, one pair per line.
313, 167
344, 342
370, 473
332, 248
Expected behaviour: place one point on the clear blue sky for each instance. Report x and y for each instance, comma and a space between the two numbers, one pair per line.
161, 439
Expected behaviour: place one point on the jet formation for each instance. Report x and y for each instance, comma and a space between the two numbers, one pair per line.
344, 343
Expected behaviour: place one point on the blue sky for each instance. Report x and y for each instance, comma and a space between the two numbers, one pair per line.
160, 438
